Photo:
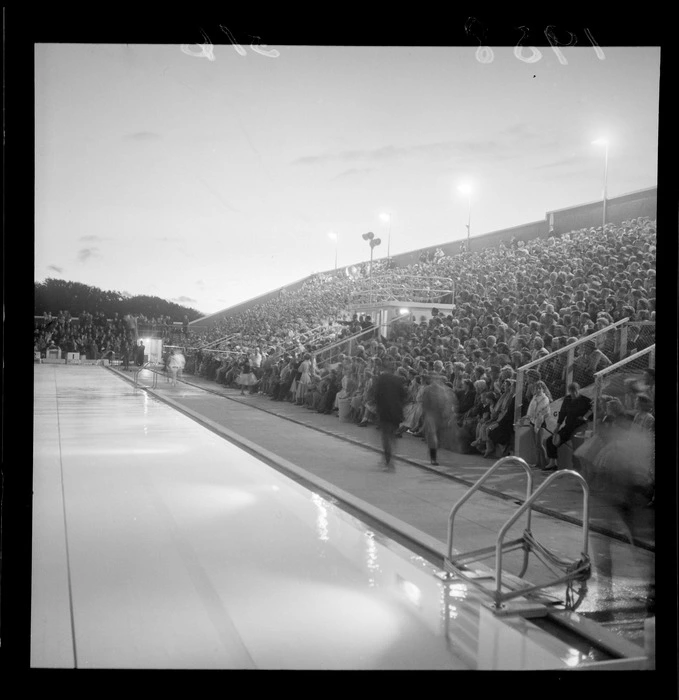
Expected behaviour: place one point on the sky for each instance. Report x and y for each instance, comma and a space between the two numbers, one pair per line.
208, 175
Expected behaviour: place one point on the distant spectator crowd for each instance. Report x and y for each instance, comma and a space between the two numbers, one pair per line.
514, 304
91, 335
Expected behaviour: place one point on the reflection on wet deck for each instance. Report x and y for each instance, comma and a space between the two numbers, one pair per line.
158, 544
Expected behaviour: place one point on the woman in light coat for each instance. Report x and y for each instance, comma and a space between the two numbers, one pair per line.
538, 410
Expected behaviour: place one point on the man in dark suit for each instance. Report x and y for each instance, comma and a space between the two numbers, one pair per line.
390, 397
576, 410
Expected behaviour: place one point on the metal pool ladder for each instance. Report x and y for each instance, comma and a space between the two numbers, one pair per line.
153, 367
570, 571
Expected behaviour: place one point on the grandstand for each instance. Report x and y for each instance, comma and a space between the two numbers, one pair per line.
578, 305
534, 298
577, 292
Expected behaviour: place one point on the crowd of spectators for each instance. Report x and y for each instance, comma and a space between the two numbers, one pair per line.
513, 304
95, 336
91, 335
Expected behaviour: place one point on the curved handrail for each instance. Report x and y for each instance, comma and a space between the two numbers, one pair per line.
154, 370
514, 461
526, 506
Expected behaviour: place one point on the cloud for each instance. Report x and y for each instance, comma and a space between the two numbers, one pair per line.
90, 238
142, 136
375, 154
351, 173
184, 300
505, 144
563, 162
84, 254
55, 268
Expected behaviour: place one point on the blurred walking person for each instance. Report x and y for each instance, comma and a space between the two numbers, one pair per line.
246, 376
390, 397
437, 405
176, 364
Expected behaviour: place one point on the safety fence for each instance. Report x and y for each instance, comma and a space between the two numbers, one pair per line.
347, 346
645, 336
576, 362
394, 287
344, 346
617, 381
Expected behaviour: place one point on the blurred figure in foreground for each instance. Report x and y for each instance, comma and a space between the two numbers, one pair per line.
390, 396
437, 402
618, 465
176, 364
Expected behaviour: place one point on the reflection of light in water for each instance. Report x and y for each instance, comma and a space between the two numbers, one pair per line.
452, 612
122, 451
458, 590
321, 518
146, 404
411, 591
573, 658
318, 612
210, 500
371, 554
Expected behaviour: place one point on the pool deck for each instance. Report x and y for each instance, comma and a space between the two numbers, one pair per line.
344, 459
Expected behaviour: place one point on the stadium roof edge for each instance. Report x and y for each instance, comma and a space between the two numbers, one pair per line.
197, 321
608, 199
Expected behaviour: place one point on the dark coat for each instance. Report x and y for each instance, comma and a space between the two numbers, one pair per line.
391, 394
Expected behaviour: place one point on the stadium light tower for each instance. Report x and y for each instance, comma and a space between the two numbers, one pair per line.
334, 237
466, 188
374, 242
604, 142
386, 217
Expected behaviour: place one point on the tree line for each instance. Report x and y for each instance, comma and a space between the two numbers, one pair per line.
55, 295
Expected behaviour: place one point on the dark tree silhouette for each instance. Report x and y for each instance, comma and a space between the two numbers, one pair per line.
55, 295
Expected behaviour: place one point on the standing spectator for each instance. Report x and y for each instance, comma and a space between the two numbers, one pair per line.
176, 365
390, 396
329, 388
437, 407
304, 379
247, 376
141, 352
538, 411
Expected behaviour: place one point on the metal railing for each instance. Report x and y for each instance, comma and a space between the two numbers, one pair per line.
474, 555
155, 370
570, 571
613, 380
646, 334
557, 369
225, 339
394, 287
342, 346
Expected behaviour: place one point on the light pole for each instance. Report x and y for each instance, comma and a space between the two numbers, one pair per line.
334, 237
374, 242
466, 188
604, 142
387, 218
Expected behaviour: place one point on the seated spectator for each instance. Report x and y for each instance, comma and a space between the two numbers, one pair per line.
501, 428
574, 413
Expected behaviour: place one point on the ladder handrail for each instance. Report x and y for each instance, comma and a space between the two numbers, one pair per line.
526, 506
514, 461
155, 371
